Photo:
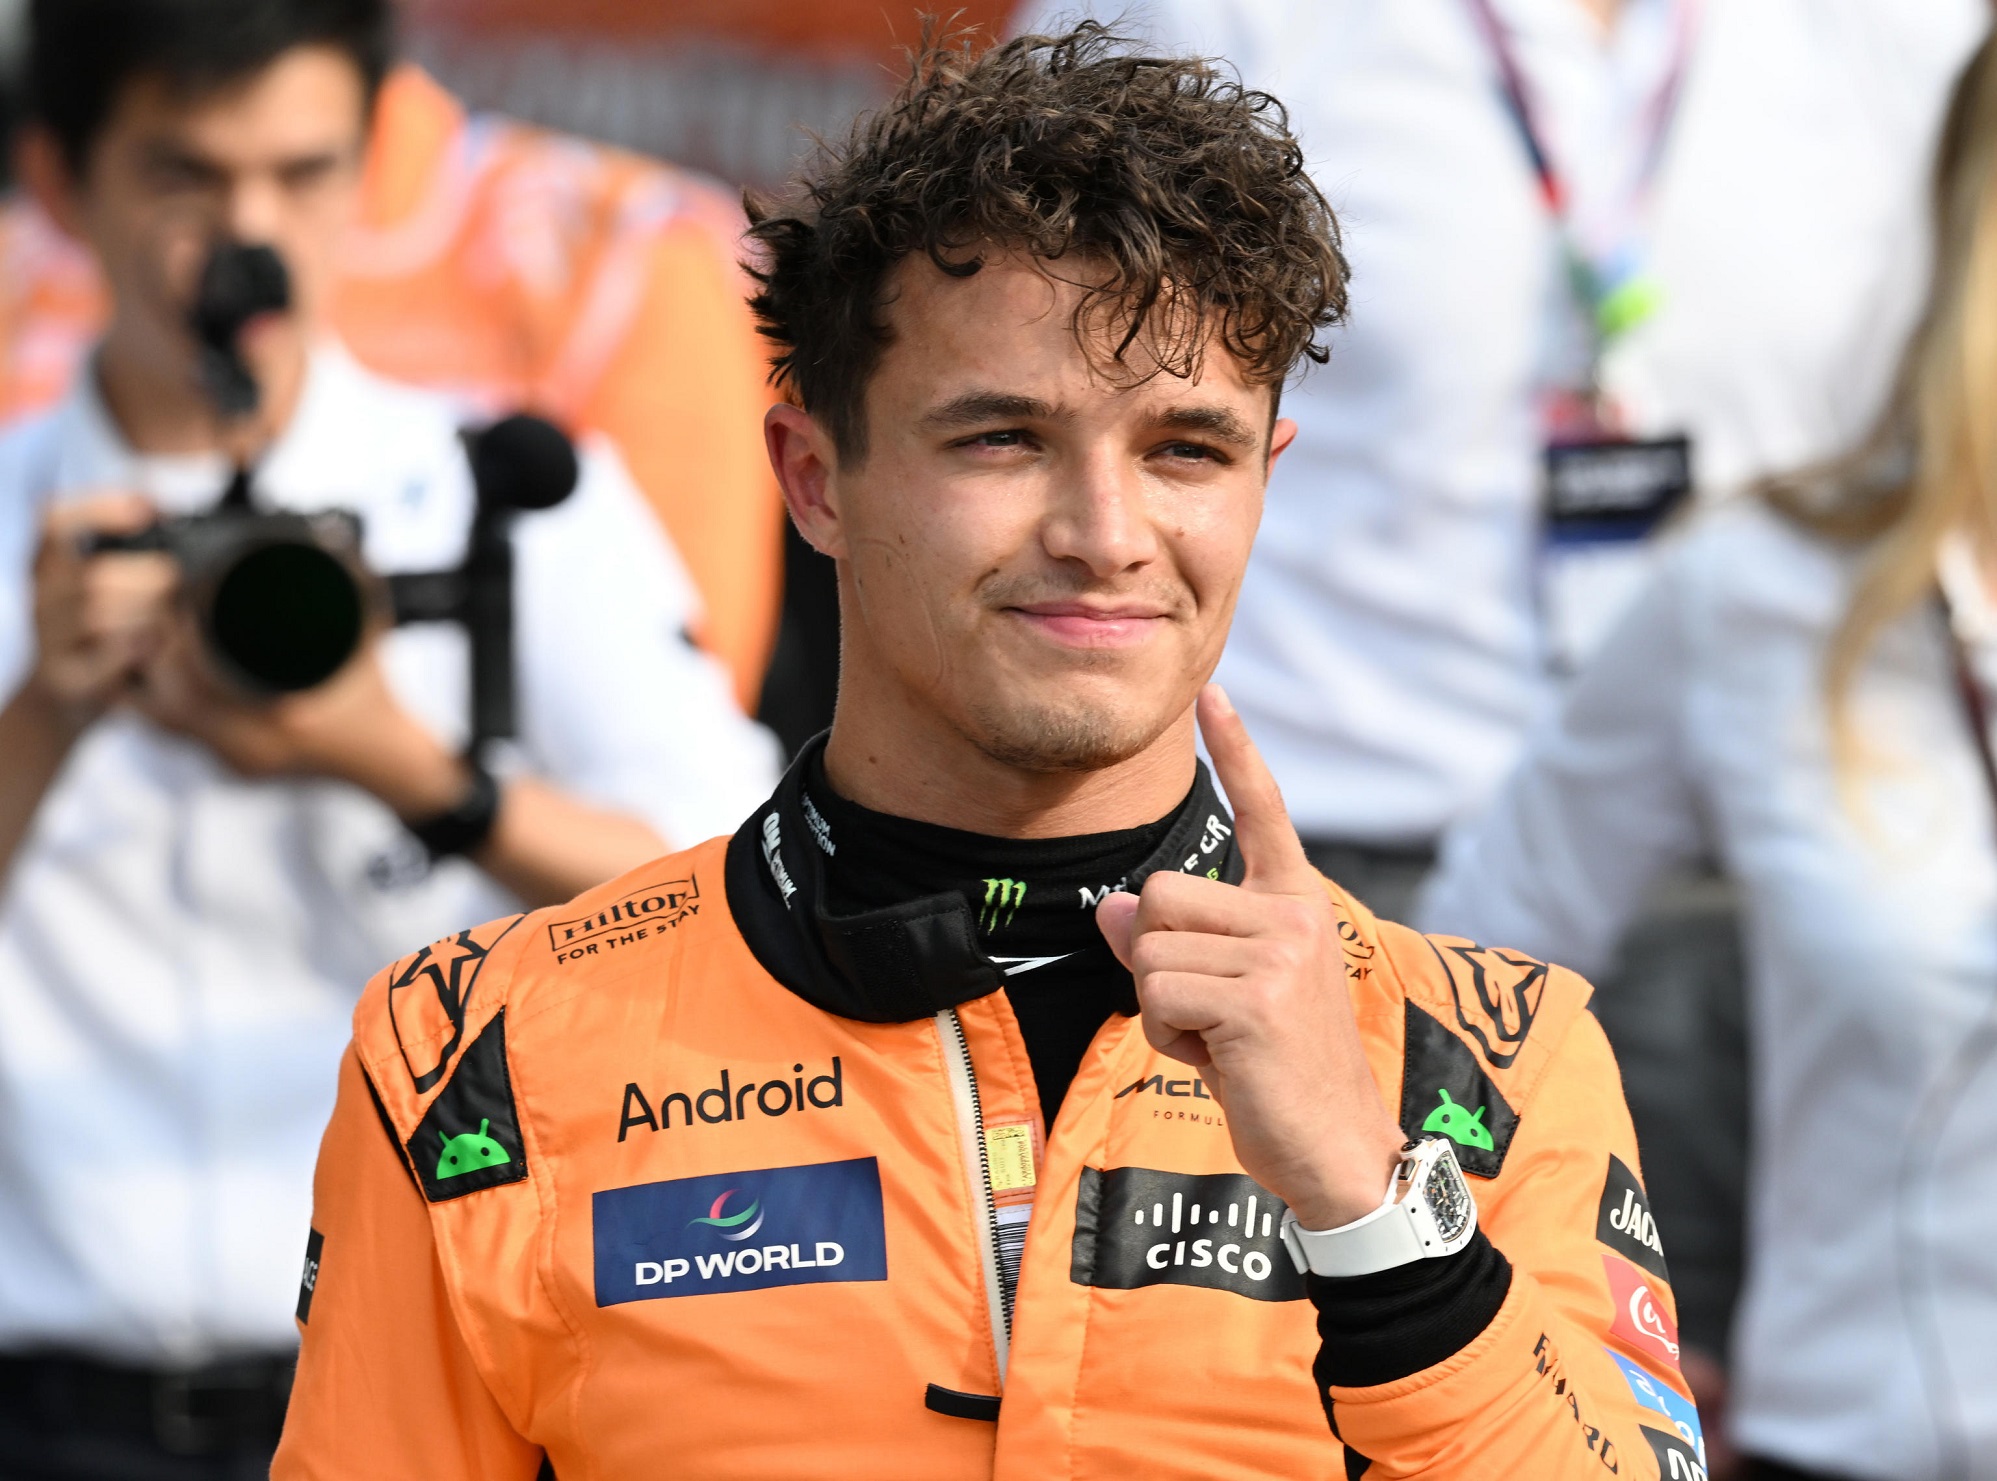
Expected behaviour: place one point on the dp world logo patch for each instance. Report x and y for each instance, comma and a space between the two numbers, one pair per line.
731, 1226
740, 1231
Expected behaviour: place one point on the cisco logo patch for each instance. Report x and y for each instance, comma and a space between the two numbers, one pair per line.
740, 1231
1136, 1227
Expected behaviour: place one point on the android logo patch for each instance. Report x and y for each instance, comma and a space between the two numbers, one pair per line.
449, 1158
469, 1150
1445, 1091
1459, 1123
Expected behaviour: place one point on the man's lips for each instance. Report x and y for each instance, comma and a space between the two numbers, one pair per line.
1090, 624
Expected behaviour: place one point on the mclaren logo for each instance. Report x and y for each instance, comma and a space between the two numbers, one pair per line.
1092, 898
1193, 1087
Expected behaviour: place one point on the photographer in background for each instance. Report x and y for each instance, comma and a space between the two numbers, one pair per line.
197, 881
515, 267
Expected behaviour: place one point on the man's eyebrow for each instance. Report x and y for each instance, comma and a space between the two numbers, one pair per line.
977, 408
179, 156
1215, 421
312, 161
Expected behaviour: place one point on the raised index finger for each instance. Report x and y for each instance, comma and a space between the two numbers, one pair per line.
1268, 841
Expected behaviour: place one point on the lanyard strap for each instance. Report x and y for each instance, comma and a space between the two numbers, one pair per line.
1598, 294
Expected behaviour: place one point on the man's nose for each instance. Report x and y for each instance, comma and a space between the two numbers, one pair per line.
1100, 516
254, 208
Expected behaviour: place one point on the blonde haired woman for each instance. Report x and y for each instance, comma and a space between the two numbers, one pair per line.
1807, 693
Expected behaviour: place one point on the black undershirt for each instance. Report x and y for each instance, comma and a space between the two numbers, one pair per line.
1034, 903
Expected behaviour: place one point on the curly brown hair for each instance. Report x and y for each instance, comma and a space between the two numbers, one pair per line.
1183, 191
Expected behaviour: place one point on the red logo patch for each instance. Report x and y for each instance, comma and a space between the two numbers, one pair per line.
1641, 1323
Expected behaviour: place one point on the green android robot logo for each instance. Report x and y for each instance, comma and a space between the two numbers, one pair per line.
1460, 1124
468, 1151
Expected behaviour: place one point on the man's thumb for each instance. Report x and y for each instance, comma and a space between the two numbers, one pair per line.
1116, 918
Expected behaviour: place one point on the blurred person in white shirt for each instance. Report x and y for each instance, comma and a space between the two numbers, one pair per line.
1740, 186
1604, 224
1807, 691
195, 882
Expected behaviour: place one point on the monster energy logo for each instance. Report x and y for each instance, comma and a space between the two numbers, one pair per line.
1003, 897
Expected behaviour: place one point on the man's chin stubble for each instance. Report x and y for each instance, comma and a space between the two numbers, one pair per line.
1031, 738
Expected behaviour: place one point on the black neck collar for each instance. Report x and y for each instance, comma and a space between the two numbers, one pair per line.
914, 959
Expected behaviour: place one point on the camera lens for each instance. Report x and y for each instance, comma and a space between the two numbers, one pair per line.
287, 616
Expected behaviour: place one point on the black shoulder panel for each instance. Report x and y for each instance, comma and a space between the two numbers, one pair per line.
1445, 1092
469, 1139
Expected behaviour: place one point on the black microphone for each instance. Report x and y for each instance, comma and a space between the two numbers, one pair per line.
522, 462
519, 464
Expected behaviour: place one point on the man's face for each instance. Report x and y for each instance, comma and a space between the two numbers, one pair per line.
273, 159
1044, 555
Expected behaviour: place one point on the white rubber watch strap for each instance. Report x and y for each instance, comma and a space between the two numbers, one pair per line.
1381, 1240
1403, 1229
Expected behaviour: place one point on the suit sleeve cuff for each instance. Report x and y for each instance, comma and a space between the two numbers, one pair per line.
1383, 1327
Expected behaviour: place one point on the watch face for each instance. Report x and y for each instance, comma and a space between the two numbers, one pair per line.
1447, 1197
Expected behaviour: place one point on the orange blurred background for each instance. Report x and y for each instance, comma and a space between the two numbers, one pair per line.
863, 27
731, 87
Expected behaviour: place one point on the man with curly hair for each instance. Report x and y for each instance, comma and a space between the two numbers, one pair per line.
995, 1102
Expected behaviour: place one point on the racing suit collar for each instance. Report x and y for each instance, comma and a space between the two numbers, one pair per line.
912, 960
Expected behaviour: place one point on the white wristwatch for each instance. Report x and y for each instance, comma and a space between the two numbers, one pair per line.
1428, 1213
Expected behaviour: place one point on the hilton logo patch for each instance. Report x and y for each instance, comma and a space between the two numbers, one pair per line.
1137, 1227
638, 917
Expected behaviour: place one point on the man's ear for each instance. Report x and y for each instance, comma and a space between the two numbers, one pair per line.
805, 460
1280, 436
41, 166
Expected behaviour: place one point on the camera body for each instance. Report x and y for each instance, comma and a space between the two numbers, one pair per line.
279, 598
282, 598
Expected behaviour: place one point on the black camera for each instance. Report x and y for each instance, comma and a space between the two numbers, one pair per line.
282, 598
279, 597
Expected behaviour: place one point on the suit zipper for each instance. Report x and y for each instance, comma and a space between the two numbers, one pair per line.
971, 1129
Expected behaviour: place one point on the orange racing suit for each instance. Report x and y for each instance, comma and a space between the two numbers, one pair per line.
690, 1178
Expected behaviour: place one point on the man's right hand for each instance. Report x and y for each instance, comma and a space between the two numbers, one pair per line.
98, 619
